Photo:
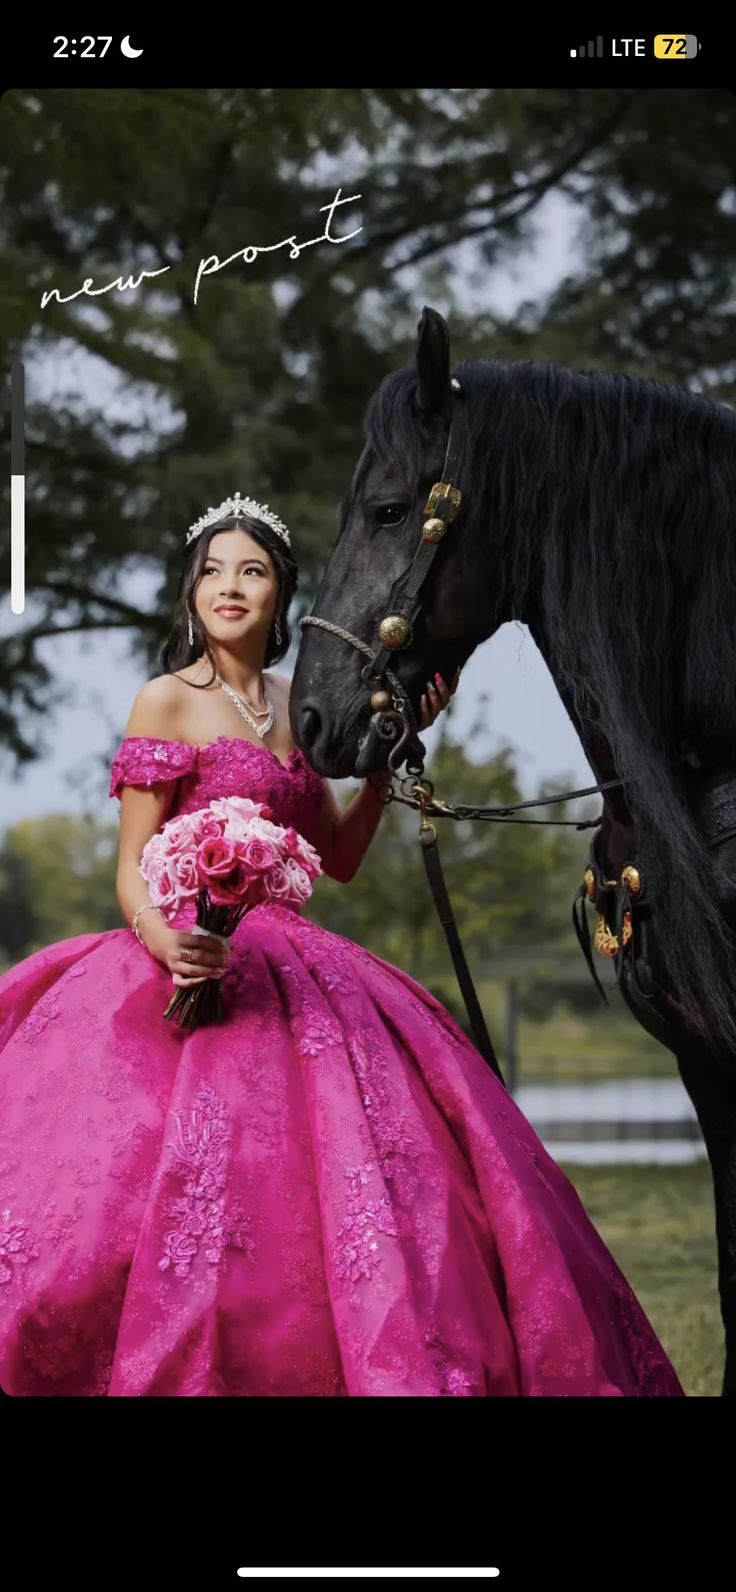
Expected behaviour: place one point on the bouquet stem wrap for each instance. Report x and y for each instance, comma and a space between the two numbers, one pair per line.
203, 1003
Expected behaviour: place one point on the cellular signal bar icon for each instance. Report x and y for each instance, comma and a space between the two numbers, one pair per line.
594, 47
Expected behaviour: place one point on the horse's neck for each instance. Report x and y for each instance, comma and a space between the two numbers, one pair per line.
617, 840
699, 767
595, 746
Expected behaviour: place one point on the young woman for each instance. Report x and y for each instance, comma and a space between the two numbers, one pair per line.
328, 1193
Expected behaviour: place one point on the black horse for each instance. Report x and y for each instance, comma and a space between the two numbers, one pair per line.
600, 510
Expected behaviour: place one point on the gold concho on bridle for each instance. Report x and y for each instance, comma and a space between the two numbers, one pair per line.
606, 943
394, 630
604, 940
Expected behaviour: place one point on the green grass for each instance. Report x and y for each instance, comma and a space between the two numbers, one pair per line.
568, 1049
658, 1223
565, 1047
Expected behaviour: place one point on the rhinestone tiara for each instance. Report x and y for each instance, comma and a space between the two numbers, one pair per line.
233, 508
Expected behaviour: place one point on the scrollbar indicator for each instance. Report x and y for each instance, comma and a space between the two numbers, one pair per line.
17, 487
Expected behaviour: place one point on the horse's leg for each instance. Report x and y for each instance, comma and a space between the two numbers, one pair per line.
714, 1098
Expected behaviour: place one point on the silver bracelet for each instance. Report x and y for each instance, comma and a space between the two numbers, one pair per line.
136, 915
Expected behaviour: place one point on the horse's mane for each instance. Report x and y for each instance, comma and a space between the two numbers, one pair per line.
613, 500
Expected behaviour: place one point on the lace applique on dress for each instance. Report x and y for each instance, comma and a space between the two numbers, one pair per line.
204, 1219
16, 1246
355, 1252
143, 760
50, 1005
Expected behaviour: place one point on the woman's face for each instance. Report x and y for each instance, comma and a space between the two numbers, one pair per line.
238, 591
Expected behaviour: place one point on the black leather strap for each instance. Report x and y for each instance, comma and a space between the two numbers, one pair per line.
580, 925
446, 916
406, 591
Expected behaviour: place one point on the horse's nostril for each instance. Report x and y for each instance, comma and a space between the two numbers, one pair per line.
310, 725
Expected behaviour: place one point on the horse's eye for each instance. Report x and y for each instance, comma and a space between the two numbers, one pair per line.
390, 514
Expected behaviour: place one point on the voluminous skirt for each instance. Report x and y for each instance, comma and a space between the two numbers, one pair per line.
328, 1194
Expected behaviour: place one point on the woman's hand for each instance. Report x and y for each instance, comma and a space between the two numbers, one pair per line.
436, 698
209, 957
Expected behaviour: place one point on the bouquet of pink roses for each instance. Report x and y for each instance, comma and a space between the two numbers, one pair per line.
228, 857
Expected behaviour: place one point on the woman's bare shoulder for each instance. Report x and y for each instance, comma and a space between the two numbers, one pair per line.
155, 709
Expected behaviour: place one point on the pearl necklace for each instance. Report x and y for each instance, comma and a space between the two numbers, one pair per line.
250, 715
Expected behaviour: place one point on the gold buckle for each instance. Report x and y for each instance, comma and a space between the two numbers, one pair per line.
441, 489
427, 831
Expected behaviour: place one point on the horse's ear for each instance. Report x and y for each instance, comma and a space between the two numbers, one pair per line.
433, 362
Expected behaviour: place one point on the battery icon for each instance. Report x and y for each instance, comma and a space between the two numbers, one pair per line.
676, 46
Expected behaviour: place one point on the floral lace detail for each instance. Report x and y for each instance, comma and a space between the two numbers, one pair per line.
393, 1136
355, 1250
314, 1028
141, 760
43, 1013
229, 766
454, 1381
16, 1247
49, 1006
202, 1155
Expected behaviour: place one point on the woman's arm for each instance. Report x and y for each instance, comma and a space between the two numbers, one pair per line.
342, 835
142, 812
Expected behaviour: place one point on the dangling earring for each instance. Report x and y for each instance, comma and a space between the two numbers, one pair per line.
278, 632
191, 632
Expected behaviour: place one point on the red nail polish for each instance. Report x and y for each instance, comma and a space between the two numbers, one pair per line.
438, 678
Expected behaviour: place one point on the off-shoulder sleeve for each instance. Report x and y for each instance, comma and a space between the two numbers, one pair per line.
141, 760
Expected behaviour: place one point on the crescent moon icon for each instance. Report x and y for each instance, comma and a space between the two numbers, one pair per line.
127, 48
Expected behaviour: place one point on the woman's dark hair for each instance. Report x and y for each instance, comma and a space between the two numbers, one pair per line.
176, 652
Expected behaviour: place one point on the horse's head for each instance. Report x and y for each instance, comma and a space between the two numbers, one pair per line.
407, 430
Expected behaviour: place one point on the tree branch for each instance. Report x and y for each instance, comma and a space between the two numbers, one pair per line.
40, 631
128, 614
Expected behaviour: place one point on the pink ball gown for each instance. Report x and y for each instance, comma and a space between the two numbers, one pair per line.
328, 1194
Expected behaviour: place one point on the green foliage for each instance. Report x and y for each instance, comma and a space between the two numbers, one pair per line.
57, 879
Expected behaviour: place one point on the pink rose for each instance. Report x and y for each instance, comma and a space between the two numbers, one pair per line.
262, 829
216, 858
257, 855
184, 875
237, 810
277, 882
300, 884
232, 889
177, 834
161, 887
155, 847
202, 825
309, 858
